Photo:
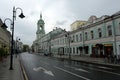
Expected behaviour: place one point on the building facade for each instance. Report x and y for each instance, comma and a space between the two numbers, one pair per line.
77, 24
98, 38
5, 38
42, 44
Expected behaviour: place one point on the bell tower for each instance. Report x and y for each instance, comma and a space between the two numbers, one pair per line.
40, 28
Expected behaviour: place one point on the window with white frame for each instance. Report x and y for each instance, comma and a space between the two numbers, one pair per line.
86, 35
109, 28
80, 37
73, 38
73, 50
76, 38
77, 50
92, 34
99, 32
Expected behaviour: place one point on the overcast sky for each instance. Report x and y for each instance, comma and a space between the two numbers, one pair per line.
56, 13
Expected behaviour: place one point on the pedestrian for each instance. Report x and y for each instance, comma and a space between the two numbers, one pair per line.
115, 59
118, 59
108, 57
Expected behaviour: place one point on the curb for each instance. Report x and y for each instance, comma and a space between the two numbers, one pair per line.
96, 63
23, 71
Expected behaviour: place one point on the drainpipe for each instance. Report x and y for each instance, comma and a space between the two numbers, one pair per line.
114, 37
104, 36
83, 41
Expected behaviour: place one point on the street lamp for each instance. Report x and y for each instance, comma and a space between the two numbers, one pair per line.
12, 41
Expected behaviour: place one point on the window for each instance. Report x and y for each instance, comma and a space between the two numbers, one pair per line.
85, 35
73, 38
67, 50
92, 35
77, 50
109, 30
80, 37
99, 32
76, 38
70, 50
119, 26
63, 41
73, 50
66, 40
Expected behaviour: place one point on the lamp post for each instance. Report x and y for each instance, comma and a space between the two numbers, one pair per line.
12, 28
17, 50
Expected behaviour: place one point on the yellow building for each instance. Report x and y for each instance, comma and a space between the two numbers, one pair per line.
77, 24
5, 37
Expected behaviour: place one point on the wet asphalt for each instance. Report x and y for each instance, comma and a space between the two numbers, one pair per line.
48, 68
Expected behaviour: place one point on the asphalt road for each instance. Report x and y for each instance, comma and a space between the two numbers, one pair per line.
48, 68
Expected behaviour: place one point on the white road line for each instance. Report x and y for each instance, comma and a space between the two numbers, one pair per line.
44, 62
101, 70
108, 72
71, 73
104, 67
78, 69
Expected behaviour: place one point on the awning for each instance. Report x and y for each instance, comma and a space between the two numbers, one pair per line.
108, 45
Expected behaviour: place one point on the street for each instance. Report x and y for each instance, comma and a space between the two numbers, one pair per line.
48, 68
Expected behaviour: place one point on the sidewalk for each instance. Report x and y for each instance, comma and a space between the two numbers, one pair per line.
6, 74
98, 61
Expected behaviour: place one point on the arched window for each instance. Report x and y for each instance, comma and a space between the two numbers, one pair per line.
92, 35
99, 32
109, 28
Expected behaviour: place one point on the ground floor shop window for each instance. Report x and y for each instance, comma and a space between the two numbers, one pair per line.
108, 50
77, 50
86, 48
102, 50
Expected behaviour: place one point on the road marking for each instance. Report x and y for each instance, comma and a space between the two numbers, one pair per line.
44, 70
104, 67
71, 73
44, 62
37, 69
82, 70
23, 70
78, 69
49, 73
101, 70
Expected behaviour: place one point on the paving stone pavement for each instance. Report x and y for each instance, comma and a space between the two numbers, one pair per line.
6, 74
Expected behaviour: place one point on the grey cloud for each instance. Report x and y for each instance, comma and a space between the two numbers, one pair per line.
58, 12
61, 22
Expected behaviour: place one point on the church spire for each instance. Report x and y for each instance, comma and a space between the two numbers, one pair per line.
41, 15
